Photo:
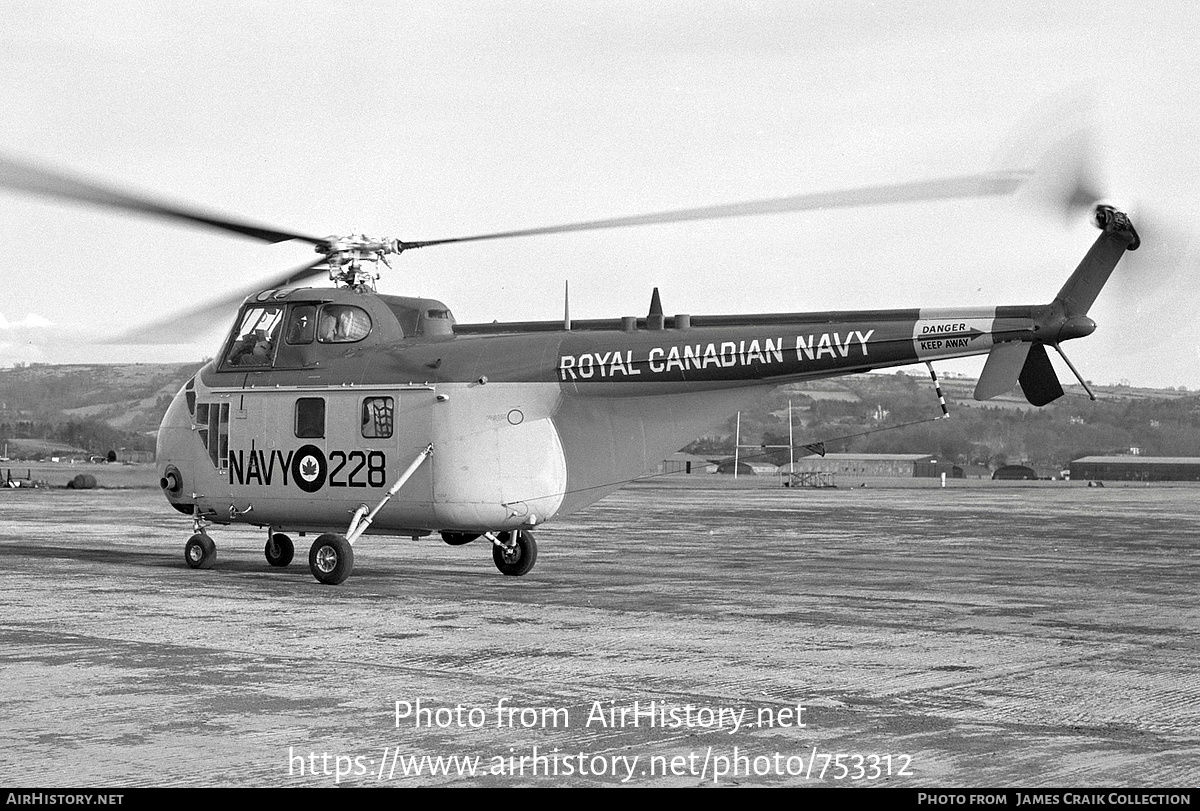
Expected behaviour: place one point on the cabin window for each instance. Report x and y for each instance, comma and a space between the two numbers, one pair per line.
377, 417
302, 324
310, 418
256, 337
212, 426
342, 324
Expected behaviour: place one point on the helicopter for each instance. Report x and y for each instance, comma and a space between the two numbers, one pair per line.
342, 412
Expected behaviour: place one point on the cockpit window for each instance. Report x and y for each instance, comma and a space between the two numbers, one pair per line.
256, 337
302, 324
342, 323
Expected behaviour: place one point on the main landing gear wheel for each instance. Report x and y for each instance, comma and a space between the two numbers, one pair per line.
515, 558
279, 550
200, 552
331, 559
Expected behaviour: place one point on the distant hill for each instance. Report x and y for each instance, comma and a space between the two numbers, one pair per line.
898, 413
90, 409
84, 409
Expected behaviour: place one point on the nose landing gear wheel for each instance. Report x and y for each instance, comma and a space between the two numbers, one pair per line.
331, 559
279, 550
200, 552
516, 558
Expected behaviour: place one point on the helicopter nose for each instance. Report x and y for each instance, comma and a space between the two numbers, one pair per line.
174, 450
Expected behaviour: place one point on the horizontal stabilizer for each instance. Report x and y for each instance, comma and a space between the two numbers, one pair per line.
1002, 369
1038, 378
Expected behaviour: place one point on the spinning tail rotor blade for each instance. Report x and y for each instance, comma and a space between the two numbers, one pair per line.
1156, 283
26, 177
1066, 178
1062, 148
184, 327
1057, 143
1152, 289
981, 185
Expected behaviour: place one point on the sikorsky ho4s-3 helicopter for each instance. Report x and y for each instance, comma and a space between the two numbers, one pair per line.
341, 412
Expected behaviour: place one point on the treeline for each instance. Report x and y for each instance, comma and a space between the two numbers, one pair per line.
135, 394
91, 436
898, 414
877, 413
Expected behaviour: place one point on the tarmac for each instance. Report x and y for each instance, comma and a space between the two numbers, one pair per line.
675, 634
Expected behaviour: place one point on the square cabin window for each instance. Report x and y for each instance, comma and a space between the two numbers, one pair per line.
310, 417
377, 417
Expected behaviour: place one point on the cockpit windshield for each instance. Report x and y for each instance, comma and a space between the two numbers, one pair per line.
255, 340
289, 336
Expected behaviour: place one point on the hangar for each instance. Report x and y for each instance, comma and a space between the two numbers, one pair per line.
686, 463
1137, 468
905, 465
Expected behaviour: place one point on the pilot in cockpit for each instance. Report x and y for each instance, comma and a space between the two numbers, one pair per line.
342, 324
257, 346
327, 331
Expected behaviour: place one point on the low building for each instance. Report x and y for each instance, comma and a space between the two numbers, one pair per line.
686, 463
873, 465
1136, 468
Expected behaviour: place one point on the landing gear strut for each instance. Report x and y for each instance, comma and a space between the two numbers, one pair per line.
514, 556
331, 558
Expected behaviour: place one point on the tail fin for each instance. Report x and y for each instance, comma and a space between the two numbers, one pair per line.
1019, 361
1026, 361
1038, 380
1003, 367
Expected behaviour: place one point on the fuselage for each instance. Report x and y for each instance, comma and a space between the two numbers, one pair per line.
321, 398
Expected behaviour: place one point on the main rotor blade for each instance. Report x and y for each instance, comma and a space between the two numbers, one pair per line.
188, 326
25, 177
983, 185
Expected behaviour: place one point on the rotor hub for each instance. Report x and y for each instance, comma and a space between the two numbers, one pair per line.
354, 260
1111, 220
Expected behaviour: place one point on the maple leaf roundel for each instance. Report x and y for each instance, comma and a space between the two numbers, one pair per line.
309, 468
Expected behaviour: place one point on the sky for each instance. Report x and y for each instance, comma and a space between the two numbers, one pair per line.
426, 120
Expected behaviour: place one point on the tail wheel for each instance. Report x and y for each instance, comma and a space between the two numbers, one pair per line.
279, 550
515, 557
200, 552
331, 559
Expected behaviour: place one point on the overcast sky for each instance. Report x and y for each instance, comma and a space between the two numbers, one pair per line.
430, 120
